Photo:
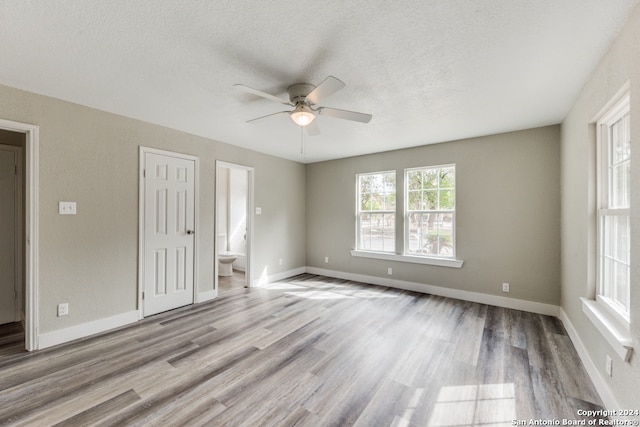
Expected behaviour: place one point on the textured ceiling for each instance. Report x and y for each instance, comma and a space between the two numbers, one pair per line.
428, 70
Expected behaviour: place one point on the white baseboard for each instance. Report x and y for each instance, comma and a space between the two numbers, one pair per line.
264, 279
49, 339
607, 396
516, 304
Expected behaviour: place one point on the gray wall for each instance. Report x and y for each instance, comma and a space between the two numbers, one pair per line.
508, 214
91, 157
619, 65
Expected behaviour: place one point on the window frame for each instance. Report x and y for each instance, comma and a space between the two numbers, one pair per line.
408, 212
359, 212
616, 112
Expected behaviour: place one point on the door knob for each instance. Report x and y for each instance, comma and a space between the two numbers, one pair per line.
190, 232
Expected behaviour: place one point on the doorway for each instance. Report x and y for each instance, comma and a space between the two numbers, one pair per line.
11, 228
234, 205
26, 137
168, 229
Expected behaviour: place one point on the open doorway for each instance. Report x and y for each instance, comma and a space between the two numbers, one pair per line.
234, 200
18, 221
12, 250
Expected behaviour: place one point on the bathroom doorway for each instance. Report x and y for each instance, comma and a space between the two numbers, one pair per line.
234, 205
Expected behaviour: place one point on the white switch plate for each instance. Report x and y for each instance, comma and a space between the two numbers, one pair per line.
505, 287
67, 208
326, 260
608, 367
258, 211
280, 261
389, 271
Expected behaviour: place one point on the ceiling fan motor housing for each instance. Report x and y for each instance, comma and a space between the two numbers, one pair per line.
298, 92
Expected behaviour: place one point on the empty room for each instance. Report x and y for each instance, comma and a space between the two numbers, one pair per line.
278, 213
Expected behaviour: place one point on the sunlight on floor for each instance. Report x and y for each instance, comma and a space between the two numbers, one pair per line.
335, 293
474, 405
318, 295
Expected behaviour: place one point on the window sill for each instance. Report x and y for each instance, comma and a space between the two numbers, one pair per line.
441, 262
616, 333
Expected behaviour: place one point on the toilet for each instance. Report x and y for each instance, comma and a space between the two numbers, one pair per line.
225, 258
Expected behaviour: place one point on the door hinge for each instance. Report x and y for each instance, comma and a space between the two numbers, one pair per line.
142, 294
144, 173
15, 169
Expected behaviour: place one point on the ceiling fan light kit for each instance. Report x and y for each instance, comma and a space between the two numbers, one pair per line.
302, 115
303, 97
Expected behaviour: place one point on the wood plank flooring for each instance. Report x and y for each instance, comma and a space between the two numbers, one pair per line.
308, 351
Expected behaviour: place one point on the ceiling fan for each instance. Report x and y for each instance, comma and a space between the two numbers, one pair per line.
304, 98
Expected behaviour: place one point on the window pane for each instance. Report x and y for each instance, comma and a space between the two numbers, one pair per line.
430, 178
620, 185
447, 199
414, 180
413, 224
622, 285
376, 232
365, 202
390, 202
620, 140
616, 246
377, 201
447, 178
430, 201
415, 200
615, 283
389, 182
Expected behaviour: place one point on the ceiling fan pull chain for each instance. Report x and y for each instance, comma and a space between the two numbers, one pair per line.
302, 145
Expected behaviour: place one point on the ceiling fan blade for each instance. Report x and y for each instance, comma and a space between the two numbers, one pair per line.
328, 87
268, 115
344, 114
262, 94
312, 128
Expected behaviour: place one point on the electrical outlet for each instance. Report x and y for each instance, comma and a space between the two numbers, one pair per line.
608, 367
326, 260
389, 271
280, 261
505, 287
63, 309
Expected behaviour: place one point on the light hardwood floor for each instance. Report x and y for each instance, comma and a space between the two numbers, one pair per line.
236, 281
309, 351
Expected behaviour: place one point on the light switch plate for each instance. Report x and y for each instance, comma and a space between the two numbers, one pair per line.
258, 211
67, 208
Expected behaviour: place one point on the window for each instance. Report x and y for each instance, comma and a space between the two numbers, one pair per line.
614, 190
430, 211
376, 212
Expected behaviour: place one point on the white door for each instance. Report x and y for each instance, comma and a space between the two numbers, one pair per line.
169, 239
8, 234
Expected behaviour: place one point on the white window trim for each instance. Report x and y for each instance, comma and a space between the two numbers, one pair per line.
608, 116
405, 221
611, 324
358, 204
